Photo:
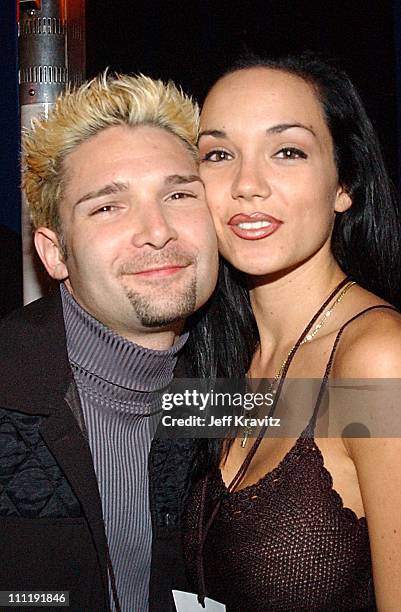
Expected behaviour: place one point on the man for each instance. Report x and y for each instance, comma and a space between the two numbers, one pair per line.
121, 221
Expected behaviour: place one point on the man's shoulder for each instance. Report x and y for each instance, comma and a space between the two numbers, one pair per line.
32, 314
33, 355
33, 327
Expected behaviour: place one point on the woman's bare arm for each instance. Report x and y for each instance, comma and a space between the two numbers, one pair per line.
374, 351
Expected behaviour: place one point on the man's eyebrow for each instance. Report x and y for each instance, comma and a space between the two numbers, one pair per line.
274, 129
115, 187
181, 179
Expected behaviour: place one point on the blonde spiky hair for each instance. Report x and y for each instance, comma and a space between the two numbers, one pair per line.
106, 101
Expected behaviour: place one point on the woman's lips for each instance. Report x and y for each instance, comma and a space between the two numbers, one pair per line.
253, 226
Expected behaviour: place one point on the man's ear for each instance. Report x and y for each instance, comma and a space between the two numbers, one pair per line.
343, 200
50, 252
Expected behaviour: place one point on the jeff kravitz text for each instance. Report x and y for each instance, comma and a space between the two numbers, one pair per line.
225, 421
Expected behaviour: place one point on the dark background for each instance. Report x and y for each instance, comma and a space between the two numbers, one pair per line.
193, 42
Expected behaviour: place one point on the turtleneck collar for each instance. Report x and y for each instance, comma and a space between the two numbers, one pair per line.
99, 351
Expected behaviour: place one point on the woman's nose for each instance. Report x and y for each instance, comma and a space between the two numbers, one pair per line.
251, 181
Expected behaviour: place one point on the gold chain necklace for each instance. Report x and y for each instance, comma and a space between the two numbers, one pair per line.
247, 430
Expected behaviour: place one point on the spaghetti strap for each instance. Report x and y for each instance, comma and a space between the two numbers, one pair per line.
310, 429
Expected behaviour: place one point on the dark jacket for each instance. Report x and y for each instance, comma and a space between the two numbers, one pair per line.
52, 534
10, 270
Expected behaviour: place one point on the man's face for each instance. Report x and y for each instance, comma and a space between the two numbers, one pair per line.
141, 250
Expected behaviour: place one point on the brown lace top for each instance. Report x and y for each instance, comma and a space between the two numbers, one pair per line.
284, 544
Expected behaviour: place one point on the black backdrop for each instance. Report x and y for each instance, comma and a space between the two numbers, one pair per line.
193, 42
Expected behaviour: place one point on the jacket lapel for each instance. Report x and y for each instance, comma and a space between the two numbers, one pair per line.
71, 450
35, 378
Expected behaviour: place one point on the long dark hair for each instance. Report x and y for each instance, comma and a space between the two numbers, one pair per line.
366, 238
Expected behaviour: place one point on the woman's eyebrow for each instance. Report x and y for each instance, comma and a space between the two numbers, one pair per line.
274, 129
281, 127
214, 133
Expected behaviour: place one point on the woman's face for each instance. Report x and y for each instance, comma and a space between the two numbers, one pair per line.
268, 165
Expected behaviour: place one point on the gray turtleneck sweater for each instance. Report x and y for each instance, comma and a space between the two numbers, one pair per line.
117, 383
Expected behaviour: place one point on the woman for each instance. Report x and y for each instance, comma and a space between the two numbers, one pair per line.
306, 221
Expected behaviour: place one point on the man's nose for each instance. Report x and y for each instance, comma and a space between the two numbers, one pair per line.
251, 180
152, 227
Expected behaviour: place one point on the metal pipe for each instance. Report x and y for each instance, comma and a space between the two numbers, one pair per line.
52, 56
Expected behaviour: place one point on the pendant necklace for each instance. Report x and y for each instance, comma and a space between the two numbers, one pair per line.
248, 430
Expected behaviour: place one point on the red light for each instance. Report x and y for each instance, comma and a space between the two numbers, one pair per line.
33, 4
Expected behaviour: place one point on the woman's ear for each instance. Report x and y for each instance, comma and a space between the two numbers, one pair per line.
343, 200
47, 244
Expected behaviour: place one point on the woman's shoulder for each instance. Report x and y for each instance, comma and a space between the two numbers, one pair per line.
370, 344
